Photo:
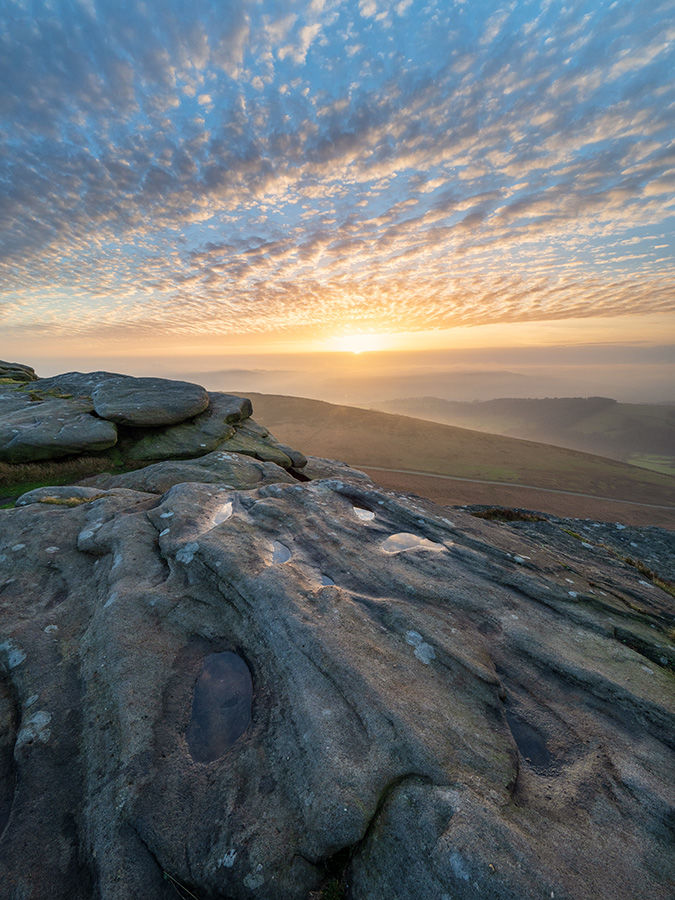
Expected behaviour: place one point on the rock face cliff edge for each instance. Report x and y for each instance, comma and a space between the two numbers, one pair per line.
230, 671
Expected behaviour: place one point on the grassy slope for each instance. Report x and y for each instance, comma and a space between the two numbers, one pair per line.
638, 433
366, 437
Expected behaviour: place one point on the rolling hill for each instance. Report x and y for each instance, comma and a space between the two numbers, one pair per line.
641, 434
414, 450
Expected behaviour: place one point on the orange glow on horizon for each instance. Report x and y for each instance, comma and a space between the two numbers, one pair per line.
359, 343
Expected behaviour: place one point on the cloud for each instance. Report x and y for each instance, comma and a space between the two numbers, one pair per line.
229, 167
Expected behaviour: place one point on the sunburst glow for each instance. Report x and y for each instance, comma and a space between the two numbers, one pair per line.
359, 343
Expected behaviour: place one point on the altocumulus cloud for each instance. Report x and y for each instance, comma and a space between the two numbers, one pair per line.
254, 166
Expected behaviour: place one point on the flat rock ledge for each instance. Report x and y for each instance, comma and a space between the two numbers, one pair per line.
248, 686
148, 401
131, 420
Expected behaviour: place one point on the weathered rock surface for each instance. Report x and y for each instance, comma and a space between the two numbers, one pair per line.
229, 469
199, 435
316, 467
149, 419
16, 371
148, 402
53, 429
12, 398
255, 440
77, 384
248, 693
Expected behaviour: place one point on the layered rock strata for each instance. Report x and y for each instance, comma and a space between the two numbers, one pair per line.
143, 419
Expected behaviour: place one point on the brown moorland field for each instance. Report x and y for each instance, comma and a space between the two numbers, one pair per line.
367, 438
642, 434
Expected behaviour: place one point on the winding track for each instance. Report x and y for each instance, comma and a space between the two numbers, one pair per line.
511, 484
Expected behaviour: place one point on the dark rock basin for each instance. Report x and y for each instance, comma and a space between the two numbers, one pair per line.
221, 706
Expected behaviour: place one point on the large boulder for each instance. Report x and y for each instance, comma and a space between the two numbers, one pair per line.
51, 429
10, 371
143, 402
263, 693
158, 419
199, 436
77, 384
255, 440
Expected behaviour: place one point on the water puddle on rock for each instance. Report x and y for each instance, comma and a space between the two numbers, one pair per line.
404, 540
223, 514
531, 743
221, 706
280, 553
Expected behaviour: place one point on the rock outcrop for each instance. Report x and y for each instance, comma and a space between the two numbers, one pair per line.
143, 419
16, 372
52, 429
148, 401
221, 681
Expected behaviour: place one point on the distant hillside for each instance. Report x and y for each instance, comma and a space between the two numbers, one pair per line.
637, 433
368, 438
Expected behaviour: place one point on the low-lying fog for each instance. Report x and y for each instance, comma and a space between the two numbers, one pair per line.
637, 373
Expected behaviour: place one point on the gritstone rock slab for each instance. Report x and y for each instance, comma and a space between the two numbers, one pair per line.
199, 436
16, 371
148, 402
52, 429
243, 693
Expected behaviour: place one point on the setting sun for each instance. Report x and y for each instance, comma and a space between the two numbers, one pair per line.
359, 343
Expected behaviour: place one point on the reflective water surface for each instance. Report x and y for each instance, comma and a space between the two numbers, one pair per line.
221, 706
404, 540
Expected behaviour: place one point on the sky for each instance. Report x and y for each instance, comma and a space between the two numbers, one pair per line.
208, 179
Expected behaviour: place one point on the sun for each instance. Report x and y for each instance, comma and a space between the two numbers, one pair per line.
358, 343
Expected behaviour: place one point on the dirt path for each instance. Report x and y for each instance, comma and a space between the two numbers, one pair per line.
513, 484
449, 490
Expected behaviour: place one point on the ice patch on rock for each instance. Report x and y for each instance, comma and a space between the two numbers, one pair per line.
35, 728
227, 859
15, 655
186, 554
404, 540
423, 651
223, 514
280, 553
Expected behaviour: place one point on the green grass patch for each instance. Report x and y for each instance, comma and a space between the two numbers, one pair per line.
504, 514
655, 579
18, 478
69, 501
35, 395
364, 438
663, 464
